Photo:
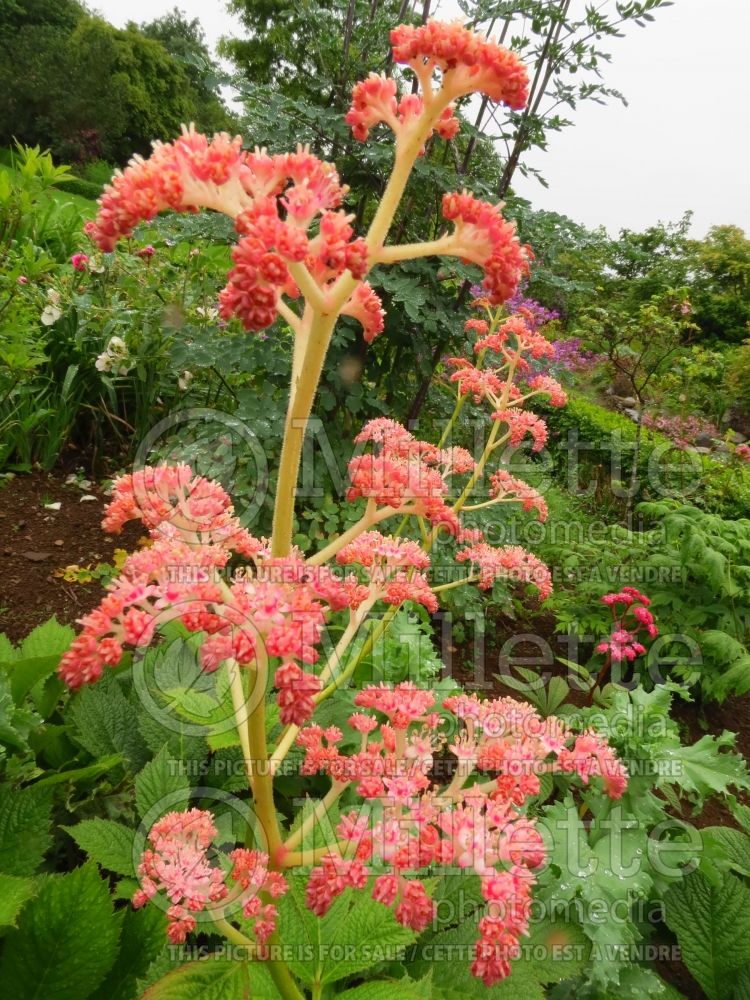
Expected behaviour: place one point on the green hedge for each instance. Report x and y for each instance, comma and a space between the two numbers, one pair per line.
698, 479
77, 185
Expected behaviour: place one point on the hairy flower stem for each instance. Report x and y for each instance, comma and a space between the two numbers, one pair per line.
239, 702
262, 780
300, 404
327, 309
322, 807
290, 733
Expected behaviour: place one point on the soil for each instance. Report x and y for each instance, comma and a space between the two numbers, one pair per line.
37, 541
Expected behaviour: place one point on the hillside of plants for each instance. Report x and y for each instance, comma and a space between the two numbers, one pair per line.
375, 592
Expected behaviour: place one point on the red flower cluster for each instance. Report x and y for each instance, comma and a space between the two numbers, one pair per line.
469, 63
631, 616
483, 237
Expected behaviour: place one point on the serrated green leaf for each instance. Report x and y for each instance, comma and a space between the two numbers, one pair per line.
214, 979
47, 639
712, 924
366, 934
25, 818
14, 892
387, 989
161, 787
703, 769
25, 673
80, 773
142, 937
108, 843
103, 721
66, 940
734, 845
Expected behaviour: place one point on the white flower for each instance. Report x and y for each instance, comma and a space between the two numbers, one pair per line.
207, 313
96, 266
115, 357
183, 382
50, 315
53, 296
117, 346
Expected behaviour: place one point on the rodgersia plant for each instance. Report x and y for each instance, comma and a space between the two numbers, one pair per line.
299, 260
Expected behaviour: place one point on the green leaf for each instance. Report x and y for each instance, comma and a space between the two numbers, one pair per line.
66, 940
364, 934
142, 937
108, 843
103, 721
215, 979
387, 989
50, 638
24, 674
712, 924
734, 845
703, 769
14, 892
25, 818
161, 787
356, 933
81, 773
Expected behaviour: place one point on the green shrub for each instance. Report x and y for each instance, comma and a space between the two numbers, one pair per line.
98, 172
83, 188
603, 441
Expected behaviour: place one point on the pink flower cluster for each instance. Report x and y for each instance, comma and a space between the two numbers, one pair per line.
505, 485
405, 474
469, 63
520, 423
250, 872
177, 864
509, 562
394, 569
476, 822
279, 610
375, 100
480, 383
274, 201
483, 237
631, 616
513, 337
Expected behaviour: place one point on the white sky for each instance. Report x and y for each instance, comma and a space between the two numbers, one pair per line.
683, 141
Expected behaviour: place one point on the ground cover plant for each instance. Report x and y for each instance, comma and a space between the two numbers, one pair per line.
363, 705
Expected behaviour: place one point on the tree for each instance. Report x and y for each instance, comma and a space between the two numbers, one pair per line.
565, 52
722, 284
186, 42
114, 92
640, 346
